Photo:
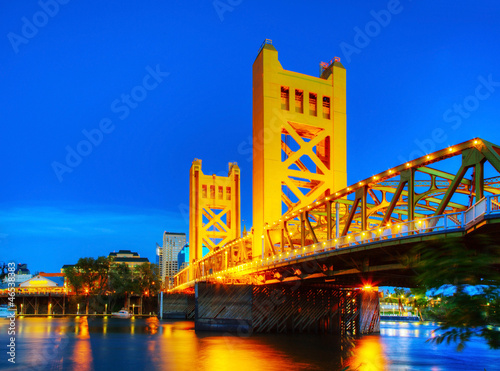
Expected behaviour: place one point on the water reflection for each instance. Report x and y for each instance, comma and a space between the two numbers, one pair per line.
87, 343
83, 328
82, 351
152, 325
368, 355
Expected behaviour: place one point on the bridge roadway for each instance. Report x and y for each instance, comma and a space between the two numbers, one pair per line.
376, 257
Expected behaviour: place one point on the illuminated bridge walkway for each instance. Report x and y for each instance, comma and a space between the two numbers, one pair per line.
309, 261
361, 234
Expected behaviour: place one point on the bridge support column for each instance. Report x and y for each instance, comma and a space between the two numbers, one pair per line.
177, 306
369, 312
285, 308
301, 308
226, 308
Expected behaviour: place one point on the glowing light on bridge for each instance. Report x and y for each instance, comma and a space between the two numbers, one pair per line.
389, 198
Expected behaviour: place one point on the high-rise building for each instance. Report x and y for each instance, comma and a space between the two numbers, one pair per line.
159, 259
183, 256
167, 256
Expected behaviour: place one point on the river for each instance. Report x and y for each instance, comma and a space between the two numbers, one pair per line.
148, 344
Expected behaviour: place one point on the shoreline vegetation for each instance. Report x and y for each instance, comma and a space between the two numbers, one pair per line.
465, 274
109, 286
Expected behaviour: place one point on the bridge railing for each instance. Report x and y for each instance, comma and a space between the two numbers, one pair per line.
439, 223
446, 222
485, 206
421, 226
476, 210
494, 204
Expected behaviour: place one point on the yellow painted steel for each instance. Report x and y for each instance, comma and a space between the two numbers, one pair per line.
299, 139
300, 193
383, 208
214, 212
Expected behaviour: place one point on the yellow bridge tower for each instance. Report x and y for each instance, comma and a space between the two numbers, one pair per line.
299, 138
214, 212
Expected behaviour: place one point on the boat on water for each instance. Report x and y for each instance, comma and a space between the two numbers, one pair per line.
6, 311
123, 313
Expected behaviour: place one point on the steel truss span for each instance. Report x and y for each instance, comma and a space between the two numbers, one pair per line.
409, 201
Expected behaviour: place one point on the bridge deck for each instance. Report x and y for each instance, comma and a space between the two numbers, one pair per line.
377, 254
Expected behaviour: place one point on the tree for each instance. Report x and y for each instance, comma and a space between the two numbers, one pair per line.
401, 292
469, 267
74, 279
89, 274
147, 278
141, 280
122, 281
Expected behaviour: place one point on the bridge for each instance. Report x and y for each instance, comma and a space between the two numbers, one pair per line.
316, 240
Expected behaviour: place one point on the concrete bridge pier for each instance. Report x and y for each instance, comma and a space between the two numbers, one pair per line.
286, 308
225, 308
178, 306
369, 312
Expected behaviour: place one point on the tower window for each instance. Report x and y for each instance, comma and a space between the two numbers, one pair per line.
212, 192
221, 193
204, 191
285, 98
313, 104
228, 193
299, 101
326, 107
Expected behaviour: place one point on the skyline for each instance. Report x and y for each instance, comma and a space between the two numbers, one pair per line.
161, 97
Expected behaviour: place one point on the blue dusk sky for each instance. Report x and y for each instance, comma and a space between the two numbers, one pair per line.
141, 88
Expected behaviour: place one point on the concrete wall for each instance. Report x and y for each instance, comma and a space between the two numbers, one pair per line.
286, 308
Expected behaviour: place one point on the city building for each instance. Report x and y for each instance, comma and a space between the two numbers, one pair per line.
167, 256
43, 283
65, 266
22, 273
183, 256
132, 259
159, 258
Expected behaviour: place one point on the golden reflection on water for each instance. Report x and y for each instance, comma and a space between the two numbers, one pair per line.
231, 352
175, 346
83, 328
152, 325
181, 348
82, 352
368, 355
178, 348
